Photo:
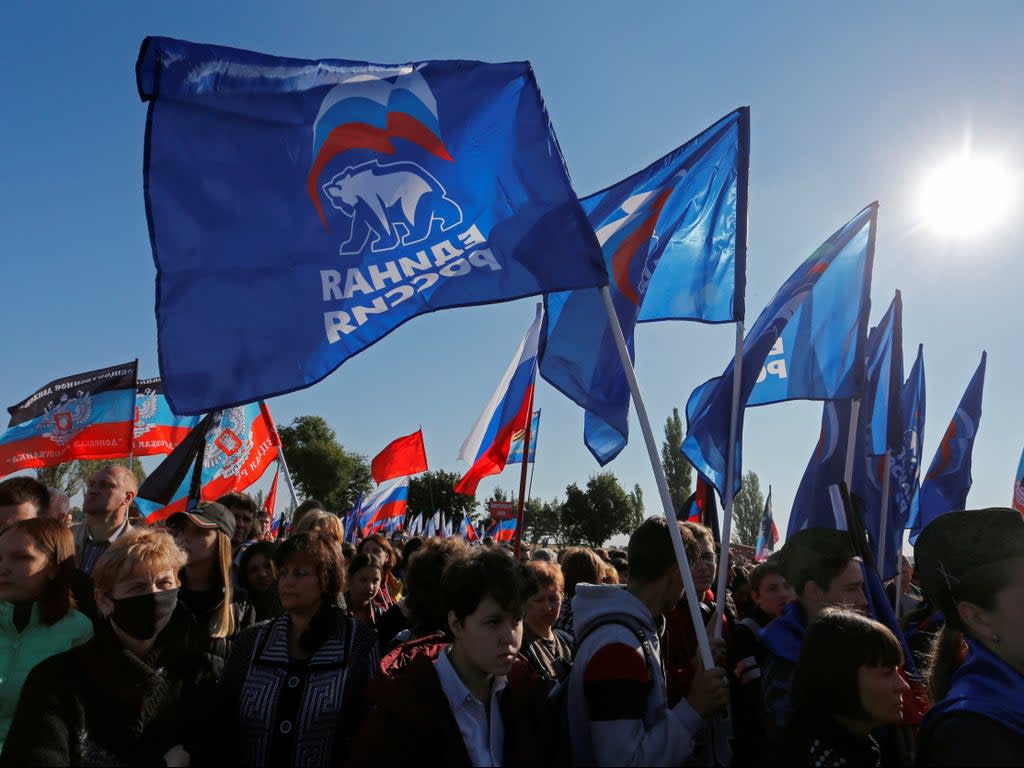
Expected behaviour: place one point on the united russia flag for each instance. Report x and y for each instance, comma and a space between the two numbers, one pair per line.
488, 445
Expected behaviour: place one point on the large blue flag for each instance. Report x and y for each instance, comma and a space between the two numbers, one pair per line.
948, 479
818, 321
880, 429
812, 507
300, 211
674, 243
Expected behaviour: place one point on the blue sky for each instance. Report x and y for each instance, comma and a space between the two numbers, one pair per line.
848, 105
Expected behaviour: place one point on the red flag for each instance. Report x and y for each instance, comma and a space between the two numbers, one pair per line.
268, 503
404, 456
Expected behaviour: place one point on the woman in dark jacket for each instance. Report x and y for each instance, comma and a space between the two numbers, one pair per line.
210, 612
971, 567
294, 686
128, 696
257, 575
847, 683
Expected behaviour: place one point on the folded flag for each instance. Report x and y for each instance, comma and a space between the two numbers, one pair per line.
814, 328
702, 507
403, 456
674, 242
85, 416
1018, 486
227, 451
466, 529
948, 481
390, 500
368, 194
515, 452
768, 536
502, 530
271, 500
812, 506
158, 429
352, 520
905, 467
488, 444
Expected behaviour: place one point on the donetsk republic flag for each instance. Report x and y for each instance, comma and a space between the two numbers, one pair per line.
84, 416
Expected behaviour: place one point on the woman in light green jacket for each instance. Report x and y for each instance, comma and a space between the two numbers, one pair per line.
37, 617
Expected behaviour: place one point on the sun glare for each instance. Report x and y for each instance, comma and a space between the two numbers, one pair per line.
967, 196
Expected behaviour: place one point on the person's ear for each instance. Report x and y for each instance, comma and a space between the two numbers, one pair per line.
454, 625
975, 618
812, 593
103, 603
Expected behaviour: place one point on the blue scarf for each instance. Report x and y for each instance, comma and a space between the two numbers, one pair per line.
784, 636
984, 685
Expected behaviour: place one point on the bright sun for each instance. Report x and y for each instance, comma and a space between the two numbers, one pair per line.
967, 196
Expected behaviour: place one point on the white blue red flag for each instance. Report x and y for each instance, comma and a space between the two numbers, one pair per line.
387, 502
674, 242
158, 429
85, 416
1018, 486
502, 530
366, 193
466, 529
768, 536
488, 445
231, 448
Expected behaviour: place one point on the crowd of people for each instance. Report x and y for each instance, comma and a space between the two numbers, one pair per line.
205, 639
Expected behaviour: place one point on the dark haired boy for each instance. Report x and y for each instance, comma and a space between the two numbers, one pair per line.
618, 701
471, 700
820, 565
22, 498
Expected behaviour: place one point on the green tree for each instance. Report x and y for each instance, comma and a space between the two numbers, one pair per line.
678, 471
544, 520
321, 468
636, 509
435, 490
747, 508
595, 515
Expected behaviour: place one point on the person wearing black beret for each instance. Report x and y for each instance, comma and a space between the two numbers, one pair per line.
971, 566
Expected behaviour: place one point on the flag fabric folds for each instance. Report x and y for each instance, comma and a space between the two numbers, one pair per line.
812, 507
1018, 486
674, 242
466, 529
387, 502
403, 456
365, 194
814, 328
352, 520
948, 479
487, 446
515, 451
501, 530
702, 507
768, 536
157, 429
85, 416
271, 501
227, 451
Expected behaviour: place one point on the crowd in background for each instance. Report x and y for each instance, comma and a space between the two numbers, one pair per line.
206, 639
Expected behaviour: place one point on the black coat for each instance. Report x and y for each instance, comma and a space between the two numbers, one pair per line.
820, 742
190, 624
99, 704
969, 739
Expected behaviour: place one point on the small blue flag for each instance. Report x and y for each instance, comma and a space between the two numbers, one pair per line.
674, 241
299, 211
817, 322
948, 480
515, 452
768, 536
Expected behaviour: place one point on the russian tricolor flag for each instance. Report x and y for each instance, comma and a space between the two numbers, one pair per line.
466, 529
388, 501
488, 445
502, 530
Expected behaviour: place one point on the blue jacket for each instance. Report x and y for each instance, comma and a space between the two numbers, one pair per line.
21, 651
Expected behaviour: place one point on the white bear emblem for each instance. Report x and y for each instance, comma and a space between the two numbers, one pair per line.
397, 203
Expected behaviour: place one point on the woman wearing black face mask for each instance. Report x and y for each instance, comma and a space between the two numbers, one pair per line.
126, 697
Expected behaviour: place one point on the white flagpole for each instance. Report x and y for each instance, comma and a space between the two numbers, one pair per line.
730, 482
659, 476
884, 514
288, 478
851, 443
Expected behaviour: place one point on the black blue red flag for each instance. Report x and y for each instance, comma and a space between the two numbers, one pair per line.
85, 416
158, 429
340, 199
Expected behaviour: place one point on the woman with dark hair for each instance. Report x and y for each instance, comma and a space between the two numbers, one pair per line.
390, 587
364, 582
971, 567
257, 575
847, 683
294, 686
210, 612
37, 614
472, 701
130, 695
